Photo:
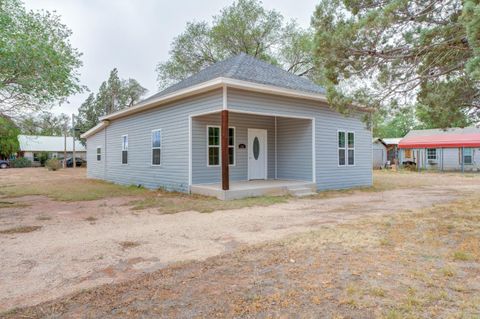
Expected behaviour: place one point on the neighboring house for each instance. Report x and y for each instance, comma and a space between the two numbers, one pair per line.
379, 150
31, 146
385, 150
450, 149
240, 127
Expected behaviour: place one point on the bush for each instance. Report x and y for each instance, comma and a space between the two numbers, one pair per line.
53, 164
43, 158
20, 162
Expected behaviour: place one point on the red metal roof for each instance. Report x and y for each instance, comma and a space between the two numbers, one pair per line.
443, 140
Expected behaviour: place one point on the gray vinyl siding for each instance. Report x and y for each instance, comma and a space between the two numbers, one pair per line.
294, 144
328, 174
203, 174
173, 120
96, 169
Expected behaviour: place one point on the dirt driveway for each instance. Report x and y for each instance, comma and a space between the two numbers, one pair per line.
87, 243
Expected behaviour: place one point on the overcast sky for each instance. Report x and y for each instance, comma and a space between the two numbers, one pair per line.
134, 35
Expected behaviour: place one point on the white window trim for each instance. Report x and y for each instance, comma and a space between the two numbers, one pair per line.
156, 148
96, 154
346, 148
220, 146
124, 149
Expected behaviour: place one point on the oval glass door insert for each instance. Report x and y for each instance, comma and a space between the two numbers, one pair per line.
256, 148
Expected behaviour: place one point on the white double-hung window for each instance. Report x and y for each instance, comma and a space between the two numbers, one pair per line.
156, 147
346, 148
125, 149
213, 146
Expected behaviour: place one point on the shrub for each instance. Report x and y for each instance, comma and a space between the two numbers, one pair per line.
20, 162
43, 158
53, 164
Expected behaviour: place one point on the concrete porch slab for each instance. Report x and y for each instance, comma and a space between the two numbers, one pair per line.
253, 188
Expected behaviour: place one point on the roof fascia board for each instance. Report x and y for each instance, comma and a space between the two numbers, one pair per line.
95, 129
196, 89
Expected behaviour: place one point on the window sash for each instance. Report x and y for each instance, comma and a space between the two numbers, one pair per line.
125, 149
99, 153
431, 153
156, 147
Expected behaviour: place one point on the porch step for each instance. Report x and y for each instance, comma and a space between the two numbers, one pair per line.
301, 191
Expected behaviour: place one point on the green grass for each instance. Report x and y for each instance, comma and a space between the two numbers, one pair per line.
72, 190
171, 202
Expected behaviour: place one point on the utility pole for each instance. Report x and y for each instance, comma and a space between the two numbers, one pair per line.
73, 139
65, 146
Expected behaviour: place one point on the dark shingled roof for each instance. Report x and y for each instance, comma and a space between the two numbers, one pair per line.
247, 68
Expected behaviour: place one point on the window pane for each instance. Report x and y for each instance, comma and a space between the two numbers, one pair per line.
213, 156
124, 143
351, 140
231, 155
351, 157
156, 139
431, 153
99, 151
156, 156
99, 157
213, 136
341, 157
468, 159
231, 136
124, 157
341, 139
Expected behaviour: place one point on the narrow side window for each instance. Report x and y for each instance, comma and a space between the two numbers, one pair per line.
156, 147
341, 148
351, 148
125, 149
213, 145
99, 153
231, 146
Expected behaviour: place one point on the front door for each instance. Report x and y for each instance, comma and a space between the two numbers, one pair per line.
257, 154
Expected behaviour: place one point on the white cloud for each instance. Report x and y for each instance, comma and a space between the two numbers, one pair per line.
134, 36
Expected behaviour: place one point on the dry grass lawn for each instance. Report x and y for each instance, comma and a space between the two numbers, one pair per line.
407, 247
421, 264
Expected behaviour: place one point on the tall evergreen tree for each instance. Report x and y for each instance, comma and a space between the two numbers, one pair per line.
400, 53
113, 95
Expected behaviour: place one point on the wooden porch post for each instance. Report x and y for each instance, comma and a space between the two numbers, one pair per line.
224, 145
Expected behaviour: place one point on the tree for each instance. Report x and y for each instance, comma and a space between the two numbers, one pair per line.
396, 125
245, 26
113, 95
8, 137
38, 65
401, 52
46, 123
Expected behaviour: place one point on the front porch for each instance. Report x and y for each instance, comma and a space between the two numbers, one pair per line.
242, 189
236, 154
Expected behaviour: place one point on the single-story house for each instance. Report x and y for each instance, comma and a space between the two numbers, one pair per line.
31, 146
241, 127
385, 150
449, 149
